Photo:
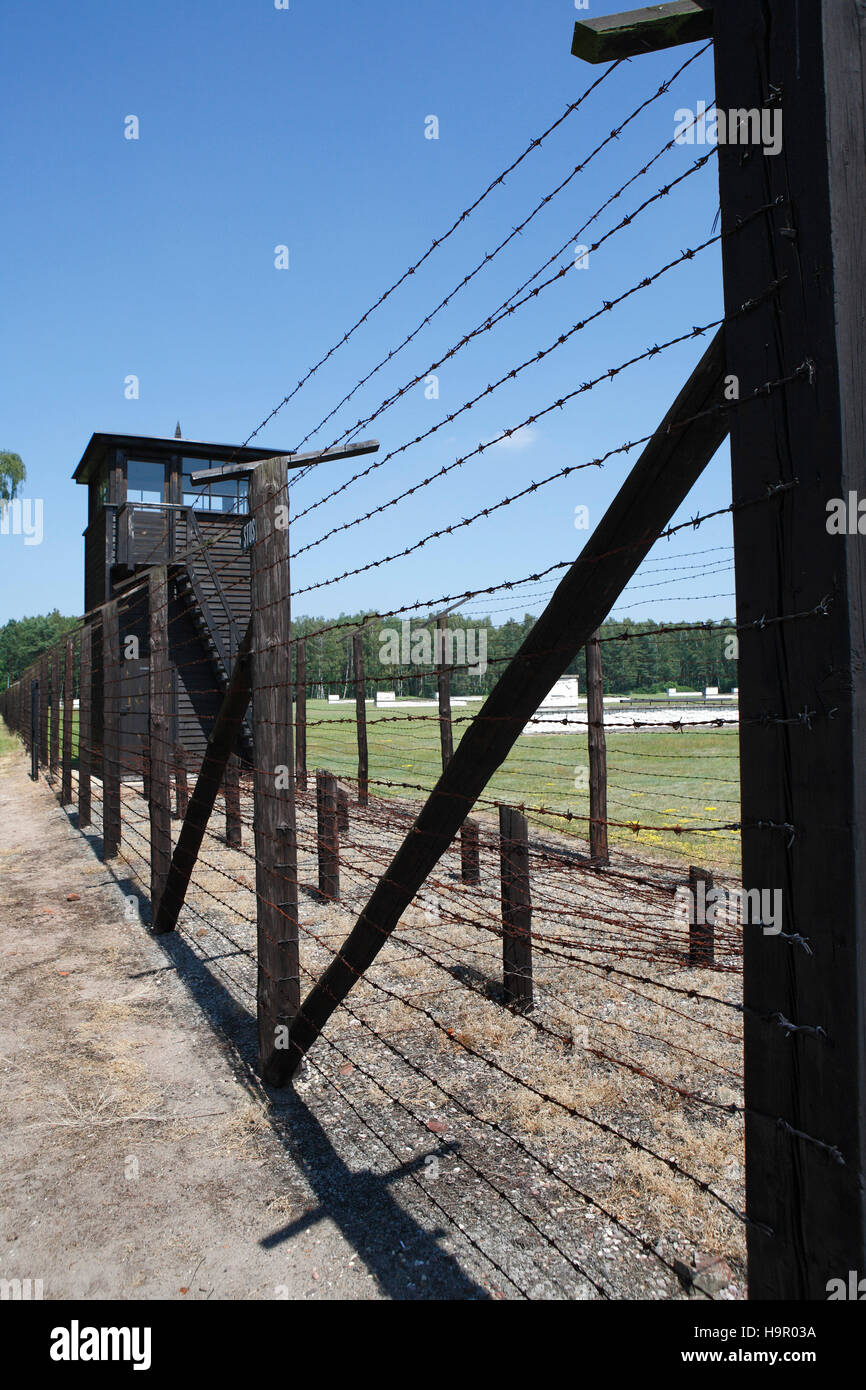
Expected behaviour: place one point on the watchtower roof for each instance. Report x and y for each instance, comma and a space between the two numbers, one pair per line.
94, 454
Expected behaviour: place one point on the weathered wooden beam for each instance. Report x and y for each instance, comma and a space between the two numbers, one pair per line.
516, 909
642, 31
220, 745
159, 731
54, 748
85, 726
279, 989
361, 717
443, 688
34, 728
658, 484
597, 749
44, 687
470, 855
327, 836
702, 933
66, 757
111, 691
802, 683
245, 470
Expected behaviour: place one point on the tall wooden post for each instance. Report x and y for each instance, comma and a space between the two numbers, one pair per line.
443, 687
220, 745
54, 747
702, 934
44, 687
85, 727
160, 731
342, 810
68, 675
145, 766
232, 794
516, 909
111, 688
34, 729
361, 717
274, 783
598, 850
327, 836
470, 867
802, 682
301, 714
470, 857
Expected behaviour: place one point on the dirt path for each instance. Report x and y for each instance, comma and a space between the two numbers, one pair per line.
135, 1162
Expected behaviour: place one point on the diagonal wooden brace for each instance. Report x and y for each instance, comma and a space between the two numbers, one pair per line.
658, 484
642, 31
220, 747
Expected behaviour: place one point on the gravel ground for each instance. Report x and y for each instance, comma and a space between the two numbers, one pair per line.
592, 1149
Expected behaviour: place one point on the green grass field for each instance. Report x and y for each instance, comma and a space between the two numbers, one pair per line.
8, 741
658, 779
655, 778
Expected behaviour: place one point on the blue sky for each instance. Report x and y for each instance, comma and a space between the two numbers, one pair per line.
306, 127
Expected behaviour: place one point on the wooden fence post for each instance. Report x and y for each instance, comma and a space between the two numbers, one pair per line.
516, 909
85, 752
44, 684
470, 858
111, 688
159, 799
470, 868
274, 783
35, 703
702, 937
301, 714
598, 851
232, 794
327, 836
145, 765
802, 683
443, 688
54, 750
68, 676
342, 810
181, 783
220, 745
361, 717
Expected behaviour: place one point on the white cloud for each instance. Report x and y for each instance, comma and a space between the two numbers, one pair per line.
522, 438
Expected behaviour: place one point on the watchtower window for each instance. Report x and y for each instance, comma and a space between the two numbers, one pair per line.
225, 495
145, 481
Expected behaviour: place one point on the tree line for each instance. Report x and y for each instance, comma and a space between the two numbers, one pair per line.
637, 657
23, 640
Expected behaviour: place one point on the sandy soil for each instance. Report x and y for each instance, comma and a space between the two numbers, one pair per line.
401, 1164
137, 1161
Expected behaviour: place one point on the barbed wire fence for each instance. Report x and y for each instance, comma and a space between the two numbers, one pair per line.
467, 919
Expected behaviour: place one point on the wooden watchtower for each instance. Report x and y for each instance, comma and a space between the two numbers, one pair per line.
181, 503
144, 509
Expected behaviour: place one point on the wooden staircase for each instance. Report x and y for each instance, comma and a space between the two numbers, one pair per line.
190, 587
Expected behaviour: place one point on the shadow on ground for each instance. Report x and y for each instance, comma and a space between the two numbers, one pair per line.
394, 1247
